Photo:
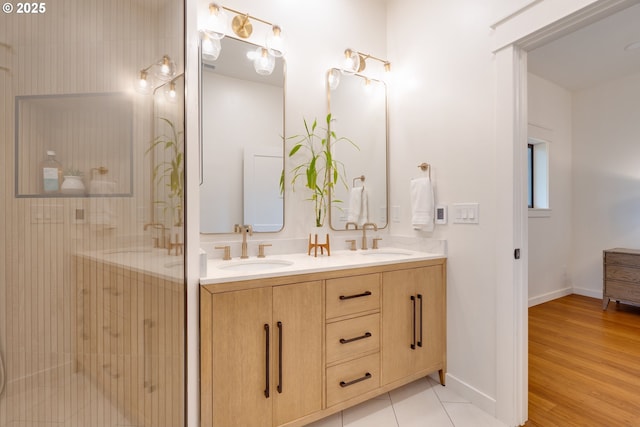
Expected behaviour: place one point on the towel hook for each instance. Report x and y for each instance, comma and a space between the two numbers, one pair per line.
360, 178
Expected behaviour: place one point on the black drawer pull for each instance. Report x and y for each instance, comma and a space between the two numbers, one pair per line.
364, 294
413, 319
361, 337
279, 387
267, 362
366, 377
420, 340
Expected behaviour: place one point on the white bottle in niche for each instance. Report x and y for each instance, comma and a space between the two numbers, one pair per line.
51, 173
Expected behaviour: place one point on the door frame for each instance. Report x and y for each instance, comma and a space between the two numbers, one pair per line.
541, 24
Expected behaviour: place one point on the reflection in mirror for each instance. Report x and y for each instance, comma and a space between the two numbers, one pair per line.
166, 155
358, 107
85, 132
242, 126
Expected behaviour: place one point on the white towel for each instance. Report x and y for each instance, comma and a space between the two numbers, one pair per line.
422, 204
358, 206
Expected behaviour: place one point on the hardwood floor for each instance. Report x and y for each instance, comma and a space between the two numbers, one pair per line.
584, 364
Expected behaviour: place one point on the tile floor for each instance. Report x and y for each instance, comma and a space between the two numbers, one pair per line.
75, 402
422, 403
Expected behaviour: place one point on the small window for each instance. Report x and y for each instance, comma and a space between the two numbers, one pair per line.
538, 173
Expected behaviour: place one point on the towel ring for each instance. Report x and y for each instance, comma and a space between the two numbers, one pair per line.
425, 167
360, 178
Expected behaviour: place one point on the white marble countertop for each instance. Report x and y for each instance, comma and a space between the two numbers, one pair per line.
219, 271
156, 262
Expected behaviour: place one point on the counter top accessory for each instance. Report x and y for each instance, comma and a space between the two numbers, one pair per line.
317, 245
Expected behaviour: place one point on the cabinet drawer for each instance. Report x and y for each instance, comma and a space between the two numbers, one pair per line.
354, 294
622, 291
352, 378
625, 274
349, 338
616, 258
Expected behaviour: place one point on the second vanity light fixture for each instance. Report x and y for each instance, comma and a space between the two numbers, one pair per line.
216, 26
163, 70
356, 62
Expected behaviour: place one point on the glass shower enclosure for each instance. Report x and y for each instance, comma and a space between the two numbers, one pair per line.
92, 283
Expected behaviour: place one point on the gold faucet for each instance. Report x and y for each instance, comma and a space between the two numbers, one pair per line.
355, 226
158, 242
243, 229
364, 233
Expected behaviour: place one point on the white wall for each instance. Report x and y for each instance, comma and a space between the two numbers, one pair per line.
549, 108
606, 177
442, 113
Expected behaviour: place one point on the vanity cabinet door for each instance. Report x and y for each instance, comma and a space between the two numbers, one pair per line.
413, 307
240, 355
297, 341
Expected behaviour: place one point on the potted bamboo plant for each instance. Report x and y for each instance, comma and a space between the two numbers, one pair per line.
319, 170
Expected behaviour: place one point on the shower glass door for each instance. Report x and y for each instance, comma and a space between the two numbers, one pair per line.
92, 284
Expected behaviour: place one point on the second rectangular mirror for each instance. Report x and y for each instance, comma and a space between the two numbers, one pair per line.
358, 107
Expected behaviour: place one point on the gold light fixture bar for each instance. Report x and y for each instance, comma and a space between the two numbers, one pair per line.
241, 23
365, 56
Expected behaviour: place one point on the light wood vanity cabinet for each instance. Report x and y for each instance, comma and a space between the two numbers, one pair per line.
346, 337
262, 355
130, 341
414, 323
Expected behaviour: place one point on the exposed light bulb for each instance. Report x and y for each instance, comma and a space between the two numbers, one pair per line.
333, 78
210, 47
165, 70
276, 41
264, 62
142, 83
217, 24
351, 61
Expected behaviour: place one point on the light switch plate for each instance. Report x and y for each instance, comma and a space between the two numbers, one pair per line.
47, 214
466, 213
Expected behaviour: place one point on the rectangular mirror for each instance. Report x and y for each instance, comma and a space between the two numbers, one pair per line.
87, 133
242, 131
358, 107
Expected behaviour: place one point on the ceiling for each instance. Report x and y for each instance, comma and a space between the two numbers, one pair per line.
591, 55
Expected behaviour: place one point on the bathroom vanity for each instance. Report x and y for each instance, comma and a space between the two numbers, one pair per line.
129, 336
291, 344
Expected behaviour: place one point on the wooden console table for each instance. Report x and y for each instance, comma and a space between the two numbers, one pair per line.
621, 276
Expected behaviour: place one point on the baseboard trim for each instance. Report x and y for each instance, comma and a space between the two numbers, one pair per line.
472, 394
551, 296
588, 292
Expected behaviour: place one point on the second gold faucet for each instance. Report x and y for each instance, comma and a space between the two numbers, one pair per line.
244, 230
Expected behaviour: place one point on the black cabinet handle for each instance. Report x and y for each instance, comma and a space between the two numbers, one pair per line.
267, 363
420, 340
279, 357
357, 380
348, 340
413, 336
364, 294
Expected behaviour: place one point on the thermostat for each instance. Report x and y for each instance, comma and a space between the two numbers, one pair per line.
441, 214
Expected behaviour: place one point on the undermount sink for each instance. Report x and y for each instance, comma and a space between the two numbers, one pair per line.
388, 253
255, 265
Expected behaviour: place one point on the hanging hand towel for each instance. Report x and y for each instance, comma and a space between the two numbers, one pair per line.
358, 206
421, 204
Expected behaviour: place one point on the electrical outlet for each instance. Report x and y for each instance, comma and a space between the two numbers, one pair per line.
47, 214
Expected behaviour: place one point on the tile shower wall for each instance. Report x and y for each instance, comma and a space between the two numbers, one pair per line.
74, 47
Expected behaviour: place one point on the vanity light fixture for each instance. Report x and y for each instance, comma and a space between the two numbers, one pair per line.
216, 26
170, 92
164, 70
356, 62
